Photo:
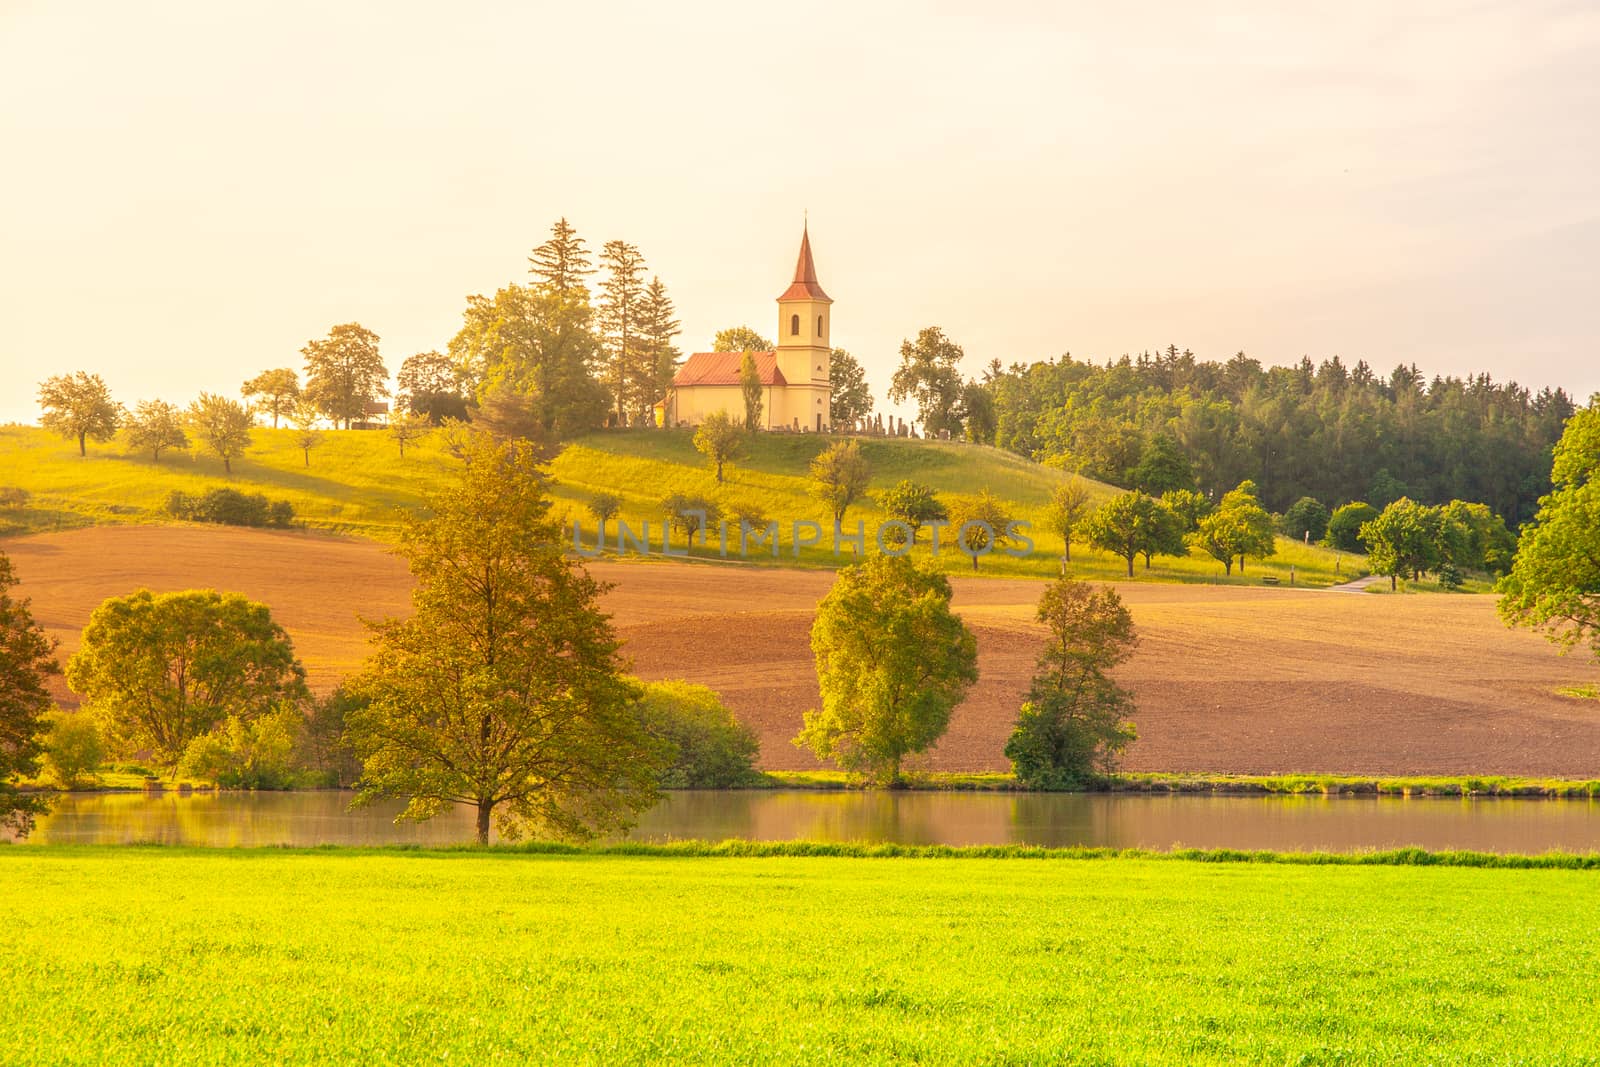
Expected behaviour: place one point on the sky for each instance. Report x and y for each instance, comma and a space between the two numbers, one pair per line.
191, 191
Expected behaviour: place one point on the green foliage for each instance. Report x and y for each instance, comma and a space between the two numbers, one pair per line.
893, 661
78, 406
691, 515
1070, 504
657, 328
159, 670
839, 476
1162, 467
1132, 524
604, 507
278, 389
1238, 527
1407, 539
850, 398
750, 387
1305, 520
244, 753
980, 524
406, 427
431, 385
230, 507
740, 339
345, 373
1074, 723
154, 427
1344, 526
913, 504
929, 374
222, 425
562, 263
629, 364
710, 748
503, 689
975, 412
1188, 506
323, 755
1554, 584
73, 748
721, 440
27, 658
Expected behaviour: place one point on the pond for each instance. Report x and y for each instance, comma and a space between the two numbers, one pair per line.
1116, 821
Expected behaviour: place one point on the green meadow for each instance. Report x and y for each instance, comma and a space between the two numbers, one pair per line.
172, 956
358, 484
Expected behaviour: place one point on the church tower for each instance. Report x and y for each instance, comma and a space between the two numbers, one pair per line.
804, 346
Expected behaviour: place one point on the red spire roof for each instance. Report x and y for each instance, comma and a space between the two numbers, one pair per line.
805, 285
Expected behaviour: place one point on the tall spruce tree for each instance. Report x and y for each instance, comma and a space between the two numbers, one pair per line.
562, 263
659, 356
618, 320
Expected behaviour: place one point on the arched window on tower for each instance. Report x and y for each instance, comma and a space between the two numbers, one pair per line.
794, 325
819, 326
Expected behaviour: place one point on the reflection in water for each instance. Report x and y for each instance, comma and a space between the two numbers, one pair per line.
1121, 821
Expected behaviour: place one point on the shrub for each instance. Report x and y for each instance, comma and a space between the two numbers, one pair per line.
681, 513
12, 496
1304, 517
240, 754
711, 749
322, 753
73, 748
229, 507
1344, 526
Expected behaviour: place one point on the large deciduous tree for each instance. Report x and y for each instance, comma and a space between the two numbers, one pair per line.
929, 373
504, 689
1404, 540
914, 504
839, 477
981, 524
1074, 723
893, 661
429, 384
278, 391
79, 406
740, 339
27, 658
1554, 584
222, 425
160, 670
345, 372
154, 427
850, 398
1132, 524
750, 387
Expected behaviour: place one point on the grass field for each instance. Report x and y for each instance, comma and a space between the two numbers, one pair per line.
165, 956
358, 484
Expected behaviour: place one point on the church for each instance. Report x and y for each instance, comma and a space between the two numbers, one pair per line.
794, 378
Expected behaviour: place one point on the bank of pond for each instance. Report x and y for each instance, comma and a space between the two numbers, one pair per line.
1327, 822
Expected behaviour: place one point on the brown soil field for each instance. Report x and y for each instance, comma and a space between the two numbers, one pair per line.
1228, 679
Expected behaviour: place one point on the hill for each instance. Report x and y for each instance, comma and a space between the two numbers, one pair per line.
357, 484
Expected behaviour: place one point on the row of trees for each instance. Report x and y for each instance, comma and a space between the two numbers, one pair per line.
80, 406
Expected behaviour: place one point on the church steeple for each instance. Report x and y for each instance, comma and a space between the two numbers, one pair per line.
805, 285
804, 337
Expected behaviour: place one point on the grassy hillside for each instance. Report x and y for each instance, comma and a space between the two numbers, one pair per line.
358, 484
129, 955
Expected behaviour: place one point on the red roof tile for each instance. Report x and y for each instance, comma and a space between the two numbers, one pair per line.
722, 368
805, 285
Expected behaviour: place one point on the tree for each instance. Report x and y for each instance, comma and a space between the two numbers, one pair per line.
1165, 537
278, 389
222, 425
73, 747
690, 515
740, 339
1068, 508
345, 373
78, 405
659, 363
1305, 520
1074, 722
750, 386
839, 476
929, 373
710, 748
1129, 525
604, 507
306, 434
1344, 526
1189, 506
406, 427
562, 263
720, 440
619, 322
27, 658
981, 524
1482, 542
1554, 584
913, 504
154, 427
850, 398
429, 384
504, 688
159, 670
1404, 540
1251, 523
976, 413
893, 661
1162, 467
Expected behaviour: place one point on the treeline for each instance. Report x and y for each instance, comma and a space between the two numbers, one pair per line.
1329, 431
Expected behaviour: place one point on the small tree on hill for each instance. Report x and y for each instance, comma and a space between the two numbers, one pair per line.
893, 661
408, 426
504, 688
1344, 526
27, 658
929, 373
154, 427
604, 507
750, 386
1066, 512
223, 426
279, 391
1129, 525
839, 477
720, 440
850, 398
1305, 520
1252, 521
306, 434
79, 406
981, 525
913, 504
1189, 506
345, 372
1404, 540
1075, 723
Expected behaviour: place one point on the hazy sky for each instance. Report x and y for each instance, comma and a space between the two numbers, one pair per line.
191, 191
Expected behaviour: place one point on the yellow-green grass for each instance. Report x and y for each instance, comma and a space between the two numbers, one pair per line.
1580, 692
1413, 785
358, 484
166, 956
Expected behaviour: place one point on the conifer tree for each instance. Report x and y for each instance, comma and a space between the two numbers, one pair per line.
619, 320
659, 356
562, 263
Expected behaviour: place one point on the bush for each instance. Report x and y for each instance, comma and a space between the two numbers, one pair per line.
1305, 516
258, 754
712, 749
229, 507
73, 748
12, 496
1344, 527
679, 509
321, 753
